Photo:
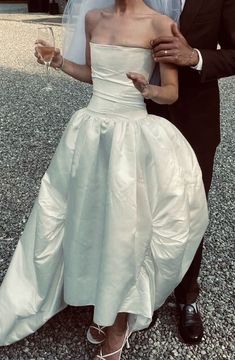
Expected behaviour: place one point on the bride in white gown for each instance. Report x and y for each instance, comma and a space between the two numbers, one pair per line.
121, 209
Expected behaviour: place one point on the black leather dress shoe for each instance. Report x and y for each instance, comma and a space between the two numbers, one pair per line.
190, 326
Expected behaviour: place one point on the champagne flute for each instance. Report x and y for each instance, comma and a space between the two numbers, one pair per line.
46, 49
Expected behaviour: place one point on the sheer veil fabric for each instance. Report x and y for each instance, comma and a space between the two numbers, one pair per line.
74, 42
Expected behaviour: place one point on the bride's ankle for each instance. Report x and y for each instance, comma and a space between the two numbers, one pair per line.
116, 331
115, 338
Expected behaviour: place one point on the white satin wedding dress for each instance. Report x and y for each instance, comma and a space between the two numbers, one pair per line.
120, 212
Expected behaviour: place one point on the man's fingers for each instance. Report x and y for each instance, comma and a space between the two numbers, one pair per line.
167, 59
167, 39
161, 39
164, 53
168, 46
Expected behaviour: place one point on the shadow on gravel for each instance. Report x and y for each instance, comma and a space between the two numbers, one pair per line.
51, 21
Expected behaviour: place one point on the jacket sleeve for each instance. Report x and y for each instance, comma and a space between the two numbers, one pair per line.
221, 62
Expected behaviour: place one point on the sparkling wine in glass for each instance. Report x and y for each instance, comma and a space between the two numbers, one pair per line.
46, 48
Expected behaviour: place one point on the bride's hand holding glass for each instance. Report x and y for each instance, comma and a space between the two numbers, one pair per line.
45, 49
57, 59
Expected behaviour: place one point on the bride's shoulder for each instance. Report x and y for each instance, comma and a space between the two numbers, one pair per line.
93, 16
162, 24
97, 13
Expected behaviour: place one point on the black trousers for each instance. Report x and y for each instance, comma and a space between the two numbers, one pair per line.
188, 290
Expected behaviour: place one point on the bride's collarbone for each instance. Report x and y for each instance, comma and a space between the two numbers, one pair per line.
123, 38
132, 35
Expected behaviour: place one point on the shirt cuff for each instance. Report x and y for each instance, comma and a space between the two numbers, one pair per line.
198, 67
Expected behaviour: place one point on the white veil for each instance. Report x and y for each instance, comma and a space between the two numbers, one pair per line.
74, 40
171, 8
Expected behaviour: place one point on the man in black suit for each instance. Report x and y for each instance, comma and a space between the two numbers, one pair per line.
203, 25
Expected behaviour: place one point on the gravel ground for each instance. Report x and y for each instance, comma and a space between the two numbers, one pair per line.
31, 124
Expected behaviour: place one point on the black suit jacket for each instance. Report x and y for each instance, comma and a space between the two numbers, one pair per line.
205, 24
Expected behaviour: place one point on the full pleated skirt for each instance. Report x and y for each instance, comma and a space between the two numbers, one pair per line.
119, 216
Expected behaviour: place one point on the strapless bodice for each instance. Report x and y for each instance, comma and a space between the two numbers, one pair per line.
113, 92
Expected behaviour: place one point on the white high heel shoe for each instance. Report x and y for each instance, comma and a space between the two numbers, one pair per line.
91, 338
125, 342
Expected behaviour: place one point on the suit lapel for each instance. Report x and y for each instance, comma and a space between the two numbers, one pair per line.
188, 14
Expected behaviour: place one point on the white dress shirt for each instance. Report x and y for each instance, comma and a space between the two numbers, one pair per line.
182, 4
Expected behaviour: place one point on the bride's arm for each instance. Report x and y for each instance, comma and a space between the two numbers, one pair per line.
79, 72
167, 93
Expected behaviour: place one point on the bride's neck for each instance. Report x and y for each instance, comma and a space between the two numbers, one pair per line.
127, 6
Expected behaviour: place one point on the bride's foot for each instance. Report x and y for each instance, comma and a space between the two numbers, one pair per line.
96, 334
113, 345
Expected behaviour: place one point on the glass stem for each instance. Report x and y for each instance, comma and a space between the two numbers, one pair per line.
48, 75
